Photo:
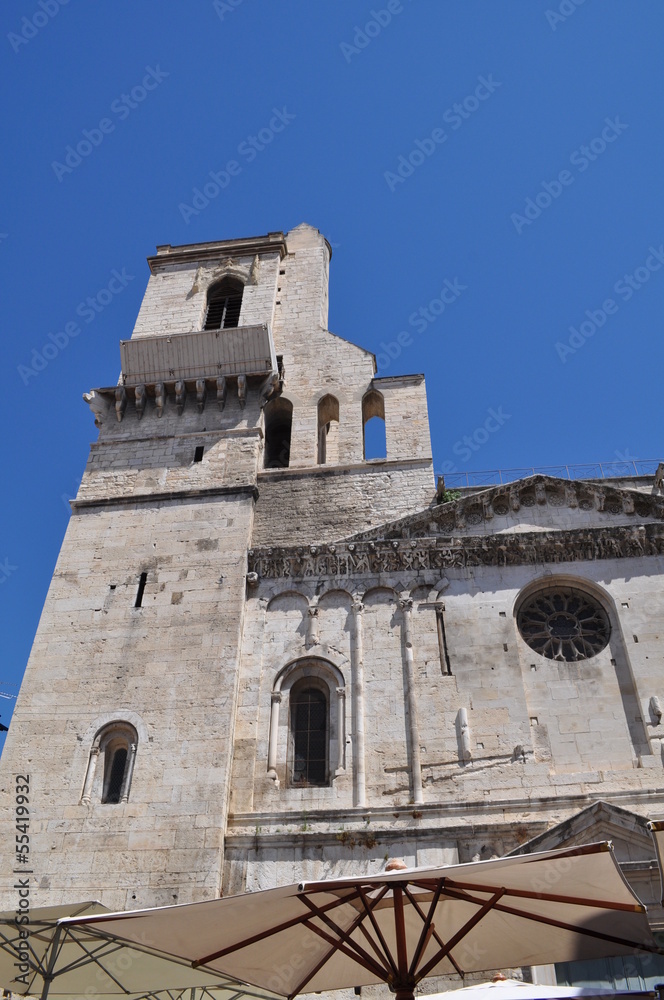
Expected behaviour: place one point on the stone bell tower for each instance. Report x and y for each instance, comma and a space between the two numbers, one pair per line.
215, 431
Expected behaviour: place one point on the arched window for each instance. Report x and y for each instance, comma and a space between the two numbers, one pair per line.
373, 425
307, 737
328, 430
223, 304
278, 416
309, 727
116, 745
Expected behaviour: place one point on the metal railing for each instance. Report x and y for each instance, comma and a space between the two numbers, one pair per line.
594, 470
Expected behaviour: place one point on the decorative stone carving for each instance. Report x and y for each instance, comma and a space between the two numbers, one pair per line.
200, 394
270, 388
159, 397
564, 624
252, 579
373, 558
98, 405
140, 398
221, 392
180, 396
120, 402
242, 390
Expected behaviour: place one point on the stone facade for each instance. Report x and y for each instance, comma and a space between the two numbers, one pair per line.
198, 595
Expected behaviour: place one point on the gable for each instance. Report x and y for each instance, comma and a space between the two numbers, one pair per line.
601, 821
537, 503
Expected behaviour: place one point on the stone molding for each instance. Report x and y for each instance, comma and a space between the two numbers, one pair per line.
361, 559
184, 494
504, 501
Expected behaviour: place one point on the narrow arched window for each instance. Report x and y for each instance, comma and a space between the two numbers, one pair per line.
278, 416
224, 304
309, 735
116, 765
328, 430
373, 425
116, 746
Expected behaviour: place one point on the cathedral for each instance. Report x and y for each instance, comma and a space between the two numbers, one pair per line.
266, 656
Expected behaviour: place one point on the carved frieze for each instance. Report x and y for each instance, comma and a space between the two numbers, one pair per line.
389, 556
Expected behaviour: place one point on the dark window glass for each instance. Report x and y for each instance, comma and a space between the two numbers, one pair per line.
309, 733
118, 765
224, 304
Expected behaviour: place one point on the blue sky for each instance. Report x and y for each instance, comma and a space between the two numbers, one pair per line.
489, 174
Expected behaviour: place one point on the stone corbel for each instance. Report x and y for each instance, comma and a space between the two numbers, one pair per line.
140, 396
270, 388
221, 392
312, 627
242, 390
254, 274
200, 394
180, 396
120, 402
159, 397
98, 405
655, 710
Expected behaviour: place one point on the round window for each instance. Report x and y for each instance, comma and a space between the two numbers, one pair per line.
564, 624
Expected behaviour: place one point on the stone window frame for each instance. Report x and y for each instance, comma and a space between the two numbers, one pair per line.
232, 285
115, 735
314, 671
373, 405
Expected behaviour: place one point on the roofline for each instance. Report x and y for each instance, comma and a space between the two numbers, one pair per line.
196, 252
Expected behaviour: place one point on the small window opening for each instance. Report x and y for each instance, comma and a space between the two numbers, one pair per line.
373, 424
224, 305
328, 431
278, 415
198, 454
141, 588
116, 776
309, 735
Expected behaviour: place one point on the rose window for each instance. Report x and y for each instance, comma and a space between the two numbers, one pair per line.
564, 624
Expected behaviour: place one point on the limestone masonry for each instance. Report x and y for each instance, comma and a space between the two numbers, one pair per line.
265, 657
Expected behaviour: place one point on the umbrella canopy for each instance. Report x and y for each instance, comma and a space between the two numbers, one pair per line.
515, 989
656, 828
401, 927
47, 957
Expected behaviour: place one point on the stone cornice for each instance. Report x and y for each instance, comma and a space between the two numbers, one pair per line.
505, 501
195, 253
373, 465
150, 498
373, 559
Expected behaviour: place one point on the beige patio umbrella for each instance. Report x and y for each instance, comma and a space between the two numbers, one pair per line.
656, 828
515, 989
46, 957
401, 927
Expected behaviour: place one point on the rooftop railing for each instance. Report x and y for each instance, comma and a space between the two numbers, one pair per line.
595, 470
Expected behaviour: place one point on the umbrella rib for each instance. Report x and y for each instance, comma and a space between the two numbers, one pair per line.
587, 931
376, 926
270, 931
551, 898
336, 946
460, 934
436, 936
93, 958
427, 923
346, 935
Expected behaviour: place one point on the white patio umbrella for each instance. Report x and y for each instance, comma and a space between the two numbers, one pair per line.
46, 957
401, 927
515, 989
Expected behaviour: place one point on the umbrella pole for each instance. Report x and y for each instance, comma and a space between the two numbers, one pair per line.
48, 975
404, 993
